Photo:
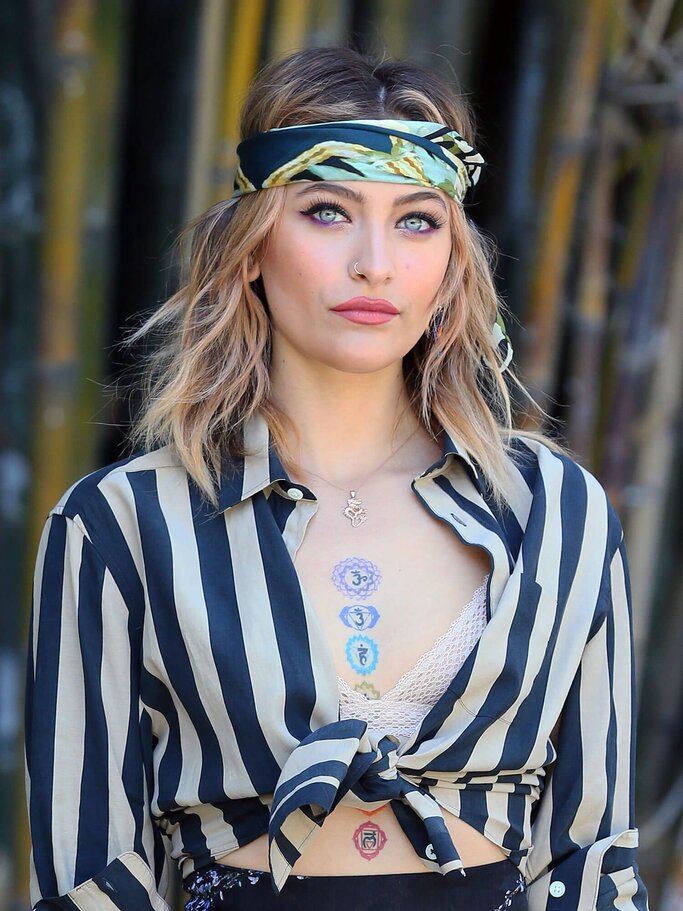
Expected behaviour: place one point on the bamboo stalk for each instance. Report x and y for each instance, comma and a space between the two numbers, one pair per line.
104, 88
585, 422
58, 428
291, 24
590, 319
241, 58
662, 830
544, 311
672, 892
328, 22
648, 33
208, 84
394, 21
656, 427
638, 297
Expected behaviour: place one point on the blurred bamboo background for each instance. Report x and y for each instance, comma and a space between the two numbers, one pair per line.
120, 122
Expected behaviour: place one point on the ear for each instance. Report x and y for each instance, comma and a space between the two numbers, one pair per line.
254, 272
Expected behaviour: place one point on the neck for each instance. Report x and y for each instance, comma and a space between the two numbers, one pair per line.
347, 423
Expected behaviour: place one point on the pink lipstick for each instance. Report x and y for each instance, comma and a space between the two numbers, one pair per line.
367, 310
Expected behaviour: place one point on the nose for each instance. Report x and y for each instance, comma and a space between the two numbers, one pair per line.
374, 258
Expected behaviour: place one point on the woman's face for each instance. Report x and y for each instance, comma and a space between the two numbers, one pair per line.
399, 236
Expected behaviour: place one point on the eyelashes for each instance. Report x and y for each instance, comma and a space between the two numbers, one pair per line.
320, 204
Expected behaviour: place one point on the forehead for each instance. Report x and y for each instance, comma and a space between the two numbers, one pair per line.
363, 192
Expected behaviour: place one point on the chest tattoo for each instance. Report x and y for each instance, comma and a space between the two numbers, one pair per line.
359, 578
367, 690
359, 616
356, 577
362, 654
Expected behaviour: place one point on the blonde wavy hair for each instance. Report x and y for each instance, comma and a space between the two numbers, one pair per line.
209, 371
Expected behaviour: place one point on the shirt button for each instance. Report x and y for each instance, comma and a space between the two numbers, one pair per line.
557, 888
295, 493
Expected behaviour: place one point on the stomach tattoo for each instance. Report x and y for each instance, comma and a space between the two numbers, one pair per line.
369, 839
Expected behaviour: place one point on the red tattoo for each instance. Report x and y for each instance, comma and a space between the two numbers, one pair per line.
369, 840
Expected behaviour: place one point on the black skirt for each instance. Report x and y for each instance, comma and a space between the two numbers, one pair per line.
496, 886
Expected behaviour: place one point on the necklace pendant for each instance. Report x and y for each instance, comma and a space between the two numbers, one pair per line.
355, 511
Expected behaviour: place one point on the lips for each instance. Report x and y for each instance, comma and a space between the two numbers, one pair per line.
368, 304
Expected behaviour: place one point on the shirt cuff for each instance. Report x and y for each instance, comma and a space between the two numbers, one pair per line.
126, 884
598, 877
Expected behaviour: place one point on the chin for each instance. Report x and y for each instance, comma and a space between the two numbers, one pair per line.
359, 362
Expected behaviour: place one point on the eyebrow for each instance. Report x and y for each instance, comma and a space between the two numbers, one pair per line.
420, 195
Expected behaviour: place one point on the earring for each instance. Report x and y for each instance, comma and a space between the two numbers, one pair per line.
437, 328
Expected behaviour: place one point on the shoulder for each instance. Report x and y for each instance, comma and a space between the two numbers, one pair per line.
556, 483
108, 494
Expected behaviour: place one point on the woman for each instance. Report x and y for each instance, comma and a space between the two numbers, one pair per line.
335, 624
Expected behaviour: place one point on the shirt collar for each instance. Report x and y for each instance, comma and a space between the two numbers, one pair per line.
244, 476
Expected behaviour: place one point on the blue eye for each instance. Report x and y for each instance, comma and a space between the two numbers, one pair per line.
320, 205
425, 216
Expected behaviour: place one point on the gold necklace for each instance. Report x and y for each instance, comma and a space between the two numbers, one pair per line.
354, 510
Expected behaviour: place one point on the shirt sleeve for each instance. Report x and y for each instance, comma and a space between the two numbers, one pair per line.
94, 844
584, 855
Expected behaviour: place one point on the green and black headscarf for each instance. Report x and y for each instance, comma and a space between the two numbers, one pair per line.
405, 151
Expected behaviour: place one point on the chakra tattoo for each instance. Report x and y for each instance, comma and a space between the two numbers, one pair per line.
356, 577
367, 689
359, 616
369, 839
362, 654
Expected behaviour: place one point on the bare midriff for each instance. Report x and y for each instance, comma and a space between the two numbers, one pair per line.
333, 852
428, 575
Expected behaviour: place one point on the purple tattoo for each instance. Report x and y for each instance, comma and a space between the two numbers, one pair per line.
356, 577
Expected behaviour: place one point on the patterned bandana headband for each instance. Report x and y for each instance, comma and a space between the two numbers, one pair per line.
393, 151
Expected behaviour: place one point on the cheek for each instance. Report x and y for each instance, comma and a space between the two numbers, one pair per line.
298, 264
422, 275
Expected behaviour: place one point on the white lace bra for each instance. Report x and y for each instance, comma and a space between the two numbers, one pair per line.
402, 708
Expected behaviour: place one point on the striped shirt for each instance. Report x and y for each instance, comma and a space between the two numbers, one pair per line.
179, 702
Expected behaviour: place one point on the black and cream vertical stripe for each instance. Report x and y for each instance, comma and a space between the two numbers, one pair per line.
179, 704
